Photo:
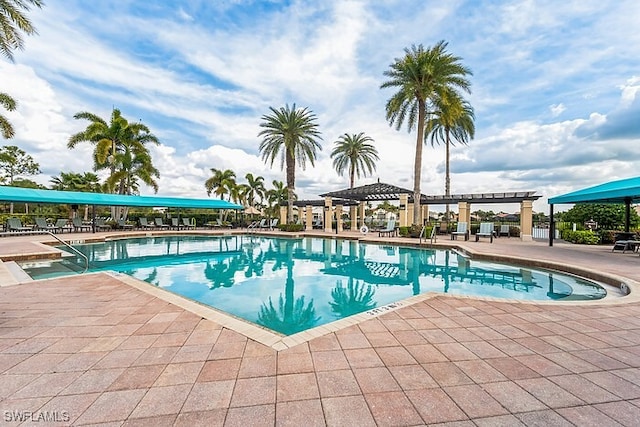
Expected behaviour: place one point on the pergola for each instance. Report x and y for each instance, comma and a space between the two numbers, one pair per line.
357, 197
625, 191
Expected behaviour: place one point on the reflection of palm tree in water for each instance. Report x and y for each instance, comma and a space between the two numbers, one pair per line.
291, 315
153, 277
355, 298
222, 273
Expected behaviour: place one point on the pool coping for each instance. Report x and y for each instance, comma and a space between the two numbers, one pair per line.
281, 342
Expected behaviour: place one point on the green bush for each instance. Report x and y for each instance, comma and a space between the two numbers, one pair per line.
581, 237
291, 227
403, 231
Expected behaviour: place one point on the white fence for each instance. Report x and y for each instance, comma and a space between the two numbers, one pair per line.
543, 233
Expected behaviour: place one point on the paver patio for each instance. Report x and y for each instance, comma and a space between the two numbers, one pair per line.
93, 350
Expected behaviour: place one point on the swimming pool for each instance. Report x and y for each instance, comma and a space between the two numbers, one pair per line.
289, 285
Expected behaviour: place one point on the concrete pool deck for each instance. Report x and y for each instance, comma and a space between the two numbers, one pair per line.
93, 350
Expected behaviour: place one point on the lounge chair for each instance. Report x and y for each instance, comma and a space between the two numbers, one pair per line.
145, 225
79, 226
505, 230
62, 224
14, 224
443, 228
462, 229
161, 224
264, 223
486, 230
389, 230
101, 225
41, 224
175, 223
188, 225
273, 224
122, 224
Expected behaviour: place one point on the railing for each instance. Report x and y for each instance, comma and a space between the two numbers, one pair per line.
86, 260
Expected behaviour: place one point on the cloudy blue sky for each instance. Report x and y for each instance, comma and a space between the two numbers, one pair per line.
555, 86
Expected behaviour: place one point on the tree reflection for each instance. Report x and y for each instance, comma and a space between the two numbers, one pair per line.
355, 298
291, 314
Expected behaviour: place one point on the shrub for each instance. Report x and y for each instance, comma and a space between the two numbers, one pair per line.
582, 237
403, 231
291, 227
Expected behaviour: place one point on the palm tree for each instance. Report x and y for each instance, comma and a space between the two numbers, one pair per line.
13, 22
291, 134
9, 104
354, 152
454, 117
255, 188
421, 76
277, 195
133, 164
221, 182
111, 139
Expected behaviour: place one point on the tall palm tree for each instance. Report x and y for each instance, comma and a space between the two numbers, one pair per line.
9, 104
453, 118
255, 188
13, 22
353, 152
421, 76
291, 134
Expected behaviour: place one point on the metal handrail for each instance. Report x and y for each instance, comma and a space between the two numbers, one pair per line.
86, 260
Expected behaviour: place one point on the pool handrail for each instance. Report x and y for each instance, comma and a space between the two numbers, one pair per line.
86, 260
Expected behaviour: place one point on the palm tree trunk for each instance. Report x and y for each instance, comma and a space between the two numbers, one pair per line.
291, 184
352, 175
447, 178
417, 170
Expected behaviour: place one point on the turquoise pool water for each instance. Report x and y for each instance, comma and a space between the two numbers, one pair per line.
289, 285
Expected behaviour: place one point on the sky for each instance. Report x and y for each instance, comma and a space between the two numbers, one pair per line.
555, 87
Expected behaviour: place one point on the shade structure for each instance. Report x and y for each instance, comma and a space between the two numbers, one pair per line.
29, 195
621, 191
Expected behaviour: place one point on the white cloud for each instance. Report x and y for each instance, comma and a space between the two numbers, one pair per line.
557, 109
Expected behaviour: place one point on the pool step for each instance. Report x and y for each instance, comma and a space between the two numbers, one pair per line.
46, 269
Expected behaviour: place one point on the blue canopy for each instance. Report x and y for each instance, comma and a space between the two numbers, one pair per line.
622, 191
30, 195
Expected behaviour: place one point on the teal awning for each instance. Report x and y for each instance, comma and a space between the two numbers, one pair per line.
29, 195
622, 191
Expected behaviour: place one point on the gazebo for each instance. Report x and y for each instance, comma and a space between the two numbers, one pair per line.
358, 196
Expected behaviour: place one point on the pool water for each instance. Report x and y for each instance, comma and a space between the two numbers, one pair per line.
290, 285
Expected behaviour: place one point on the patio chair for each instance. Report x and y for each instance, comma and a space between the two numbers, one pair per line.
264, 223
62, 224
273, 224
175, 223
14, 224
462, 229
389, 230
188, 225
505, 230
145, 225
41, 224
123, 225
160, 224
101, 225
486, 230
78, 226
